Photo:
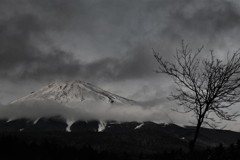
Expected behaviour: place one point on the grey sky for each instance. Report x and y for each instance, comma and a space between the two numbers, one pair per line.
107, 42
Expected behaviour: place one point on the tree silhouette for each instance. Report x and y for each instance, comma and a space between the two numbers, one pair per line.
203, 85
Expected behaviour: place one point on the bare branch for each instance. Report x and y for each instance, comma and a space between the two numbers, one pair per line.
203, 85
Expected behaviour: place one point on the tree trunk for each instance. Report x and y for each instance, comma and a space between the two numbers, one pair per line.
193, 142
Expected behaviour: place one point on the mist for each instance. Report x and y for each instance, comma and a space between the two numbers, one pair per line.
97, 110
88, 110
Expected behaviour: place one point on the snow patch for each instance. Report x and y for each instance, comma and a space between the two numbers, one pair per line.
35, 121
101, 126
66, 92
9, 120
69, 124
139, 126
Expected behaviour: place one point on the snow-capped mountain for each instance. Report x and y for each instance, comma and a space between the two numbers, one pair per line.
73, 92
100, 132
69, 94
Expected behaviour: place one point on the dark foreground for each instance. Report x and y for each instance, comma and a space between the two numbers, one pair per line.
54, 146
49, 139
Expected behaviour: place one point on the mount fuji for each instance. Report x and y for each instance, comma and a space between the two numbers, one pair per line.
99, 132
67, 92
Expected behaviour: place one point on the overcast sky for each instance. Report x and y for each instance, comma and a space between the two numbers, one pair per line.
107, 42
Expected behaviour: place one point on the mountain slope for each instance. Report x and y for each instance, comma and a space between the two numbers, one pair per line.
132, 134
73, 92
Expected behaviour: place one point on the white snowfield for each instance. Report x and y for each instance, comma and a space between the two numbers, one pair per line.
73, 92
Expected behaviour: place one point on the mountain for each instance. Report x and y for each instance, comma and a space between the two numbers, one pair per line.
73, 92
114, 136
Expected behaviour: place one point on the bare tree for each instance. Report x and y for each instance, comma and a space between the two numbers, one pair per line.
203, 85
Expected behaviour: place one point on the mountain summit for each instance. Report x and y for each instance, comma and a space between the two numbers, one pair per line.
73, 92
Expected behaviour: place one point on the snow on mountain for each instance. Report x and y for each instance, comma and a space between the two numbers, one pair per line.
101, 126
139, 126
73, 92
35, 121
69, 124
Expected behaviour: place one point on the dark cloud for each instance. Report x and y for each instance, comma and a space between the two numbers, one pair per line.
210, 19
121, 33
28, 52
107, 40
21, 56
138, 63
